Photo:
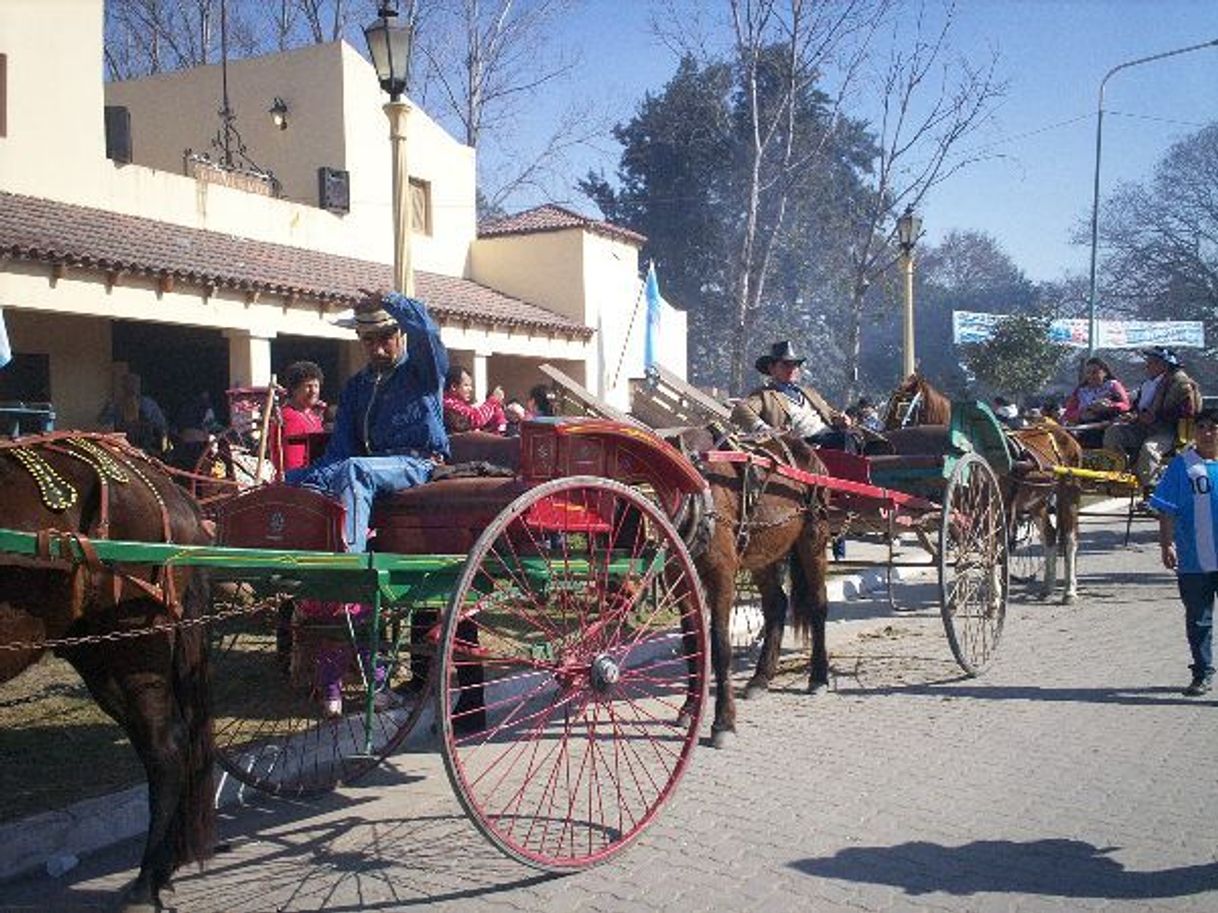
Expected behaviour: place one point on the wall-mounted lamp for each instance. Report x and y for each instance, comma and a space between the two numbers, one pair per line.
279, 113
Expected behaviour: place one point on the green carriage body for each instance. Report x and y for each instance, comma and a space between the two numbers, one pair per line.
974, 429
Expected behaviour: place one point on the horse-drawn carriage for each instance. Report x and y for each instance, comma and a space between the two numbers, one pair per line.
550, 613
551, 605
939, 483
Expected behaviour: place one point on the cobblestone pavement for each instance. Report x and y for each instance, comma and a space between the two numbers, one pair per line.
1071, 777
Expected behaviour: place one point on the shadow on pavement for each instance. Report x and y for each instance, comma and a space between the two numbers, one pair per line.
1159, 696
1051, 867
352, 864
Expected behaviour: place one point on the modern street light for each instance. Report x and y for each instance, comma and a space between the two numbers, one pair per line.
389, 47
1092, 324
909, 228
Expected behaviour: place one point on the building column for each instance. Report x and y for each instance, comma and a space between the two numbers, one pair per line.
249, 358
351, 358
481, 390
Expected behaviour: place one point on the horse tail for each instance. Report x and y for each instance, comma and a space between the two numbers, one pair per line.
801, 598
195, 822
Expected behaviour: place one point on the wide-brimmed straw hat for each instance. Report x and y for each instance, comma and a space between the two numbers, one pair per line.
783, 350
370, 317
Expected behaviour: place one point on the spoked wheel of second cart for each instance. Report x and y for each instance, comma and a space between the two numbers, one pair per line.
973, 563
274, 730
573, 672
1027, 552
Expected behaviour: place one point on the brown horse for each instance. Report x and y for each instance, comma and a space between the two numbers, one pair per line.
154, 685
759, 520
916, 402
1033, 489
1032, 492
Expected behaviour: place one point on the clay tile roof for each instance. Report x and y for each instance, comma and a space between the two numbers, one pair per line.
551, 217
32, 228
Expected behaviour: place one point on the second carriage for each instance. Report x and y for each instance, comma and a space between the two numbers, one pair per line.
938, 485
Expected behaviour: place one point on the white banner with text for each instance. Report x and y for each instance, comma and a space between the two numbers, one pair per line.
974, 326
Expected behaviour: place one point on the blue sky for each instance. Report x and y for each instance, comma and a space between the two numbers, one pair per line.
1054, 54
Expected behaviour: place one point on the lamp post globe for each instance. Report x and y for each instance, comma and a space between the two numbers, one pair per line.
389, 47
909, 229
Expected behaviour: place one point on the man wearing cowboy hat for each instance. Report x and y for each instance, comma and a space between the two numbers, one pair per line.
782, 404
389, 431
1166, 396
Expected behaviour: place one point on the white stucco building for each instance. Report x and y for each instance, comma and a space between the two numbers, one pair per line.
158, 266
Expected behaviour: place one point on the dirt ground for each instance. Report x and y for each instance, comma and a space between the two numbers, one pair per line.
57, 746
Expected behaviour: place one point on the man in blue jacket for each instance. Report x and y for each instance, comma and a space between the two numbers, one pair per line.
389, 431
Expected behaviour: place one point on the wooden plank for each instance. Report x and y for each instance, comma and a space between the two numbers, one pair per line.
664, 400
589, 402
690, 393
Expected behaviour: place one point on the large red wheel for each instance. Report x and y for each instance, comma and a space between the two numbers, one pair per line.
573, 673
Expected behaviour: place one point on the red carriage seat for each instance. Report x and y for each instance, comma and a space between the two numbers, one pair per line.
446, 517
281, 516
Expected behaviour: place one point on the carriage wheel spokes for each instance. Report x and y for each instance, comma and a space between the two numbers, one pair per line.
1027, 550
271, 729
574, 640
973, 563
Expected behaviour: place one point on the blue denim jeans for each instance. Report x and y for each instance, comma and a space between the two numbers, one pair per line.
1198, 592
356, 481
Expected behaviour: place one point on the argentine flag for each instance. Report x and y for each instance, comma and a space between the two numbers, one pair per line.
652, 337
6, 351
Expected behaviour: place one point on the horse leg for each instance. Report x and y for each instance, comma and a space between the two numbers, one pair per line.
720, 594
809, 573
774, 610
140, 699
693, 662
1068, 505
1049, 540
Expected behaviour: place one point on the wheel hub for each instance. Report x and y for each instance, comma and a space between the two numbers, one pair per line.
604, 673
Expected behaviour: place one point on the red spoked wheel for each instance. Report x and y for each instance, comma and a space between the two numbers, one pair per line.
573, 672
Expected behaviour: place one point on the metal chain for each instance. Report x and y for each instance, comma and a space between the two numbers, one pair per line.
264, 605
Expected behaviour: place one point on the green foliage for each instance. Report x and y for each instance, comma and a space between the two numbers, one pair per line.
967, 271
683, 181
1018, 360
1160, 241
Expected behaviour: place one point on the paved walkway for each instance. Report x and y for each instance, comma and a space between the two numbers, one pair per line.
1071, 777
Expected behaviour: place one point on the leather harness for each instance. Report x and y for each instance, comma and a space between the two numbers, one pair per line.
113, 460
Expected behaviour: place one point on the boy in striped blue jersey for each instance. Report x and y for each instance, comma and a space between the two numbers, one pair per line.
1187, 501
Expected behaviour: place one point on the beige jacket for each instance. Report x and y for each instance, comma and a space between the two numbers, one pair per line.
774, 408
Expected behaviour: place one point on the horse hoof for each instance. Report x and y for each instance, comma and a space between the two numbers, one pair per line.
1069, 598
817, 687
720, 738
755, 688
1042, 595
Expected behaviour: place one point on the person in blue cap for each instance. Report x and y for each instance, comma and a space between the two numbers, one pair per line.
1186, 499
389, 430
1149, 428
